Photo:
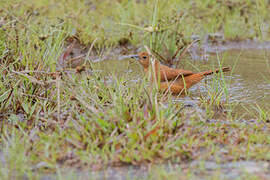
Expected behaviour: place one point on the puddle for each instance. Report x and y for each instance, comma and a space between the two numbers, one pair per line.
250, 79
249, 82
250, 60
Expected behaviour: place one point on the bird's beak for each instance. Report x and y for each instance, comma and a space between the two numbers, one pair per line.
136, 57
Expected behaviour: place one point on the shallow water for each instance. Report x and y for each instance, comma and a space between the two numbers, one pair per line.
251, 75
248, 83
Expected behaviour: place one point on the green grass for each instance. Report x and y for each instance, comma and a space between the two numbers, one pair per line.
81, 120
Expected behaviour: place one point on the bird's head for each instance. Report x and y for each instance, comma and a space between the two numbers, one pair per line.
143, 58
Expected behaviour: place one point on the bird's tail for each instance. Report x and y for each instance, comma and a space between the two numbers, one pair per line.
224, 69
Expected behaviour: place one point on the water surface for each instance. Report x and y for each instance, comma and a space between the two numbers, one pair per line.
248, 83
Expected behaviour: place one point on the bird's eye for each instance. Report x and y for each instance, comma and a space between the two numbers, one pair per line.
144, 57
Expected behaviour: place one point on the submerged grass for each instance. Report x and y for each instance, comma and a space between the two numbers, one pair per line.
54, 119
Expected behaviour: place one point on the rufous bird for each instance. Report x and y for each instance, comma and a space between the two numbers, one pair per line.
173, 80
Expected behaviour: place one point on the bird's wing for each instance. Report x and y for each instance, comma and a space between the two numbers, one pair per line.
169, 74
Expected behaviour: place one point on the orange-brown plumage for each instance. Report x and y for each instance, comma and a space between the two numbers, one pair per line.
175, 80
